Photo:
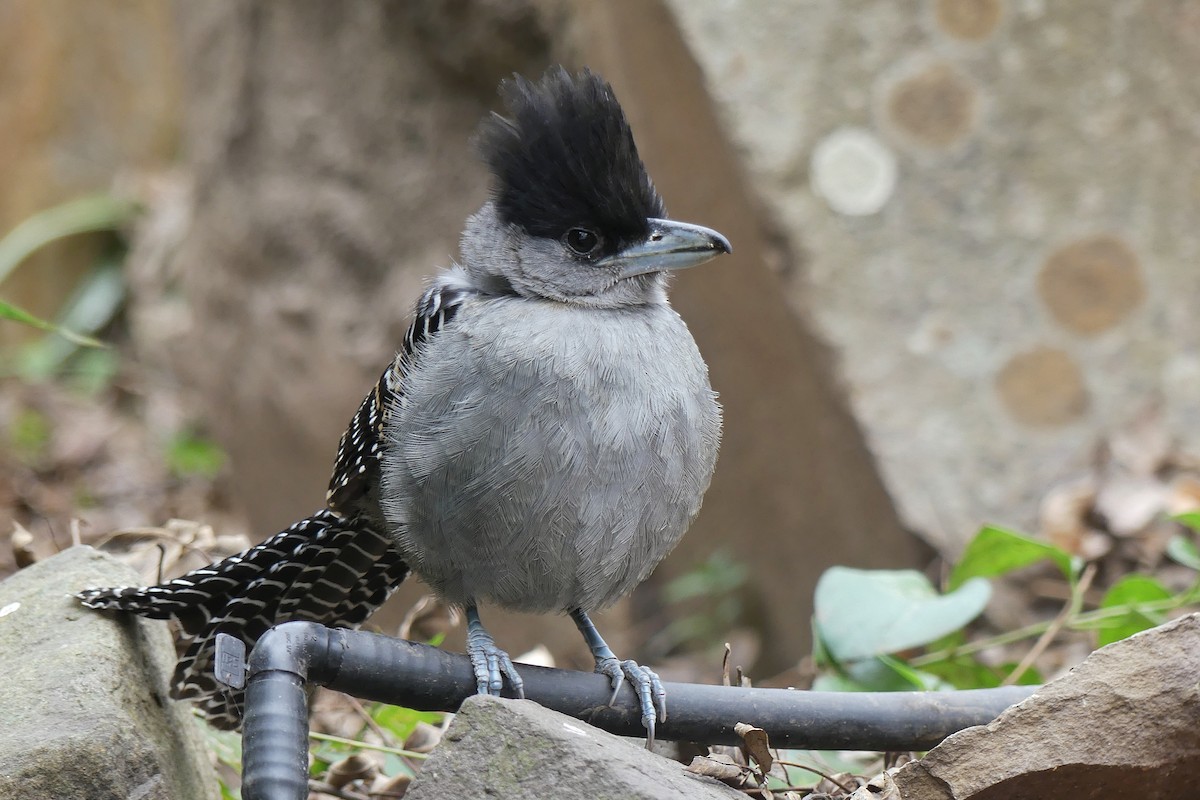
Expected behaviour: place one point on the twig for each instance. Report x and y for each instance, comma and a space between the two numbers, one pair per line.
787, 776
816, 771
769, 792
1068, 611
396, 751
384, 736
1081, 622
154, 533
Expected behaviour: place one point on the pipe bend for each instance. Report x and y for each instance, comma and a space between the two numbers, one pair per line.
307, 649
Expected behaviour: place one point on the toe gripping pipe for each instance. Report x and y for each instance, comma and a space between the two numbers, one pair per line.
394, 671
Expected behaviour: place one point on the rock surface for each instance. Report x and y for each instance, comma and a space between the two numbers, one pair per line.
84, 697
518, 750
996, 202
1124, 723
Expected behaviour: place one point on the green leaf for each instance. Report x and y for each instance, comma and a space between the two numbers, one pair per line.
1129, 592
91, 306
996, 551
865, 613
400, 721
1184, 551
882, 674
833, 682
1030, 677
225, 745
29, 436
92, 371
1189, 518
965, 672
17, 314
189, 454
919, 680
718, 574
83, 215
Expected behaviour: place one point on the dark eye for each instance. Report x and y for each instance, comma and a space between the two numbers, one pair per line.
582, 241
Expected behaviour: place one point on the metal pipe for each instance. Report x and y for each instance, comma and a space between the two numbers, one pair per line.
403, 673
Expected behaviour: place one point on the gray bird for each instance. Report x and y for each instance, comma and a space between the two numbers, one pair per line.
543, 438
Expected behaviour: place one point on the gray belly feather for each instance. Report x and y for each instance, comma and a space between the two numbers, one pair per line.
550, 458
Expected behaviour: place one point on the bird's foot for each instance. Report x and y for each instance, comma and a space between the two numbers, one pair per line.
646, 684
491, 664
652, 697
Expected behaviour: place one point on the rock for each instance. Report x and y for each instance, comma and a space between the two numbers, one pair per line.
516, 749
84, 697
960, 181
1121, 724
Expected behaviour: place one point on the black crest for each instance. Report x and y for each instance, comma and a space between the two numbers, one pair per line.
565, 157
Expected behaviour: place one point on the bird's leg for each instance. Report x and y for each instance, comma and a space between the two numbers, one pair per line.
650, 691
491, 664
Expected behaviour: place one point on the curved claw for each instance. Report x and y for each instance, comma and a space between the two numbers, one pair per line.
652, 697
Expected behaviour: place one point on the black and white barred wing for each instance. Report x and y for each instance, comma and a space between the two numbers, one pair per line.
335, 567
356, 470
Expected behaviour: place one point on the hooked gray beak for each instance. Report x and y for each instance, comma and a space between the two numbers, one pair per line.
669, 246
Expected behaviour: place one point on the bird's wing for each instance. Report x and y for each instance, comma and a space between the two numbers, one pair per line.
356, 469
334, 567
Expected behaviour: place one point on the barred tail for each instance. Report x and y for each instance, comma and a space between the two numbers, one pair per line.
326, 569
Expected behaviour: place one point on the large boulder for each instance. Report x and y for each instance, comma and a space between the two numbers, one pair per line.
84, 698
1121, 724
992, 206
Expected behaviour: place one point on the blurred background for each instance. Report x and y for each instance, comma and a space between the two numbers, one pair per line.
963, 289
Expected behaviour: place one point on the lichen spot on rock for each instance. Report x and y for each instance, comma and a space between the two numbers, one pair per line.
936, 107
853, 171
1042, 387
1091, 284
972, 20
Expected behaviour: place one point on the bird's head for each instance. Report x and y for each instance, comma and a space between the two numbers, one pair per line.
573, 216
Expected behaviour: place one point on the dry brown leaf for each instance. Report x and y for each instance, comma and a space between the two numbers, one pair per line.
22, 546
424, 738
1144, 444
720, 767
756, 745
1129, 503
1064, 512
1183, 494
428, 618
881, 787
386, 788
357, 767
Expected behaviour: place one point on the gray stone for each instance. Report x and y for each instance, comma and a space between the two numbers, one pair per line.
518, 750
1121, 724
83, 698
1025, 283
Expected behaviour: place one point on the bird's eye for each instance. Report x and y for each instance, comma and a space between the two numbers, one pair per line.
582, 241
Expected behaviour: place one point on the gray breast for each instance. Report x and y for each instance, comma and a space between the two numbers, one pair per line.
544, 457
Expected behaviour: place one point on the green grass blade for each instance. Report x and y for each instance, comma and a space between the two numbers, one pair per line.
99, 212
9, 311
